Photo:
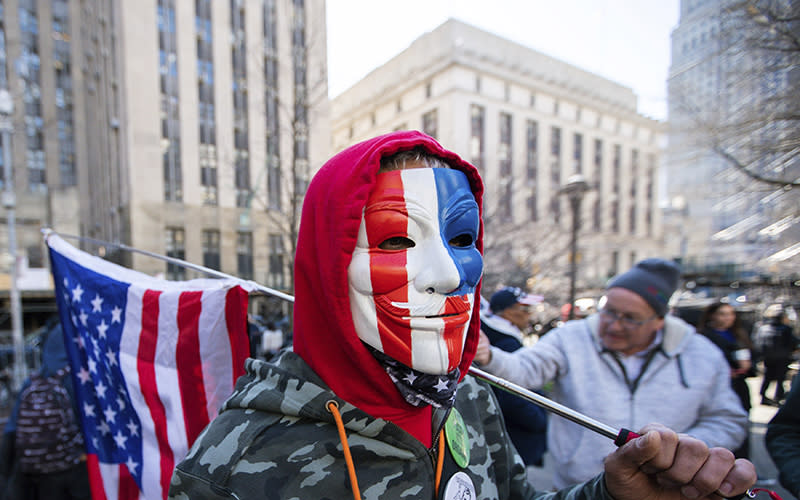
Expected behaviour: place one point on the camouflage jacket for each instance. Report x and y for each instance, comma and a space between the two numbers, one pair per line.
275, 439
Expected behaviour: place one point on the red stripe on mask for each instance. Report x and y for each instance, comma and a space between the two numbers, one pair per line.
386, 270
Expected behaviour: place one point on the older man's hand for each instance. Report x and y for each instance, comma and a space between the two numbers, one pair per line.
483, 354
662, 465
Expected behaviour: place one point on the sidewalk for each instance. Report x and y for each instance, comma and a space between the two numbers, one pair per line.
759, 417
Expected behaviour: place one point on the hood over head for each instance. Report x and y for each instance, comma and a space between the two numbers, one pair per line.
324, 331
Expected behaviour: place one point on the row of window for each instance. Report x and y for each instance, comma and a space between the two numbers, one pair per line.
175, 246
505, 155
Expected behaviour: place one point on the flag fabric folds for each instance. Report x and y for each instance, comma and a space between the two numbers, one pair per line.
152, 361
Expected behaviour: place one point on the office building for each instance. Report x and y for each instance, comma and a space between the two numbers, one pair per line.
729, 96
184, 128
529, 122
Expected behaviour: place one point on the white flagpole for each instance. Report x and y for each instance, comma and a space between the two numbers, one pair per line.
172, 260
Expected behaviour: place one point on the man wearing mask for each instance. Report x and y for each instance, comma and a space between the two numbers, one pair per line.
374, 401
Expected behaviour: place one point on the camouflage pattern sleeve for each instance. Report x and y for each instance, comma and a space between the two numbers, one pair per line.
275, 439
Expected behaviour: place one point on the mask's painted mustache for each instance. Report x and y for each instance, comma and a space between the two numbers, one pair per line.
437, 307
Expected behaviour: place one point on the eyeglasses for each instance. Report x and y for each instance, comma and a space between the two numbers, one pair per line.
627, 322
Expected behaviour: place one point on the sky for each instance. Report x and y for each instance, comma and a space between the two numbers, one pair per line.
626, 41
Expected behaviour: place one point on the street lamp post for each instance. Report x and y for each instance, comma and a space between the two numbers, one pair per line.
575, 188
10, 205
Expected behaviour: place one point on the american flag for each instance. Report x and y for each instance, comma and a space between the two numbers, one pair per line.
152, 361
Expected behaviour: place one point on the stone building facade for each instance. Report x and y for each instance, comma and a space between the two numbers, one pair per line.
529, 122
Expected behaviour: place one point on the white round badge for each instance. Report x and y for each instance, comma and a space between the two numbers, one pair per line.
460, 487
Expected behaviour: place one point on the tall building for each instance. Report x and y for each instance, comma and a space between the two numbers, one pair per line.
528, 122
174, 126
732, 153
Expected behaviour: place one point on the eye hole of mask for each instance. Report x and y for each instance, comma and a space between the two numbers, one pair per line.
396, 243
462, 241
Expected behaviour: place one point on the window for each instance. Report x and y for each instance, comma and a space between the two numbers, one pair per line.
598, 160
504, 202
35, 256
299, 67
504, 159
241, 119
577, 154
615, 216
533, 210
504, 152
276, 252
650, 196
175, 247
211, 251
430, 123
555, 141
272, 105
476, 142
170, 109
614, 263
634, 172
617, 166
64, 103
555, 157
428, 90
29, 41
555, 208
632, 218
206, 107
532, 150
244, 254
597, 214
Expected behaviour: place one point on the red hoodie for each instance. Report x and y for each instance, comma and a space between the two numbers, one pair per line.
324, 334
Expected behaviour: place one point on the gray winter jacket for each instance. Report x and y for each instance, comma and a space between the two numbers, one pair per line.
686, 386
274, 439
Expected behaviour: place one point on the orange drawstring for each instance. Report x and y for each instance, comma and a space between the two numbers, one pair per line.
333, 407
439, 462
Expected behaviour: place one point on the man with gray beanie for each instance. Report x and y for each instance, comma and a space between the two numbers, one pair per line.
628, 364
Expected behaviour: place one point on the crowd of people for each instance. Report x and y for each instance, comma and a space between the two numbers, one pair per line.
373, 399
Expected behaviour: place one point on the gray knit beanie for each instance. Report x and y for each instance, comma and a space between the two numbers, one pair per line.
654, 280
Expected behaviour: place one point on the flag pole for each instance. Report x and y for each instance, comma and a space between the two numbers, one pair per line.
47, 232
507, 386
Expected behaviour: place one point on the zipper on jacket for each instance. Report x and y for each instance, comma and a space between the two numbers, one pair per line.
632, 386
432, 451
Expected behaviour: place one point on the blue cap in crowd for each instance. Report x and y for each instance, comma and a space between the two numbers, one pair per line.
508, 296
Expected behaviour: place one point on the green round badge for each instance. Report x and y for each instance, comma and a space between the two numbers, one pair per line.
455, 432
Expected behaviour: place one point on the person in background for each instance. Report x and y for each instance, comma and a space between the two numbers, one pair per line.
720, 325
42, 455
774, 343
508, 316
374, 401
628, 364
271, 340
783, 440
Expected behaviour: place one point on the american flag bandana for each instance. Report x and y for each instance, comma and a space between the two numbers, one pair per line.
415, 267
152, 362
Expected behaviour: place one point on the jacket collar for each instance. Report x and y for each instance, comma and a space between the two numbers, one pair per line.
502, 325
